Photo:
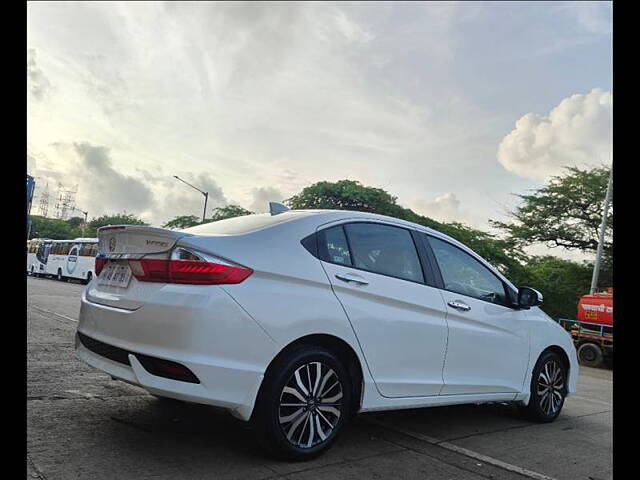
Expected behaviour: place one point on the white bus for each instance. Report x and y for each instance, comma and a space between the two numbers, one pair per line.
62, 259
72, 259
37, 253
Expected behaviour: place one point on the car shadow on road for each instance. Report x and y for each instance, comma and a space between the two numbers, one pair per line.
202, 427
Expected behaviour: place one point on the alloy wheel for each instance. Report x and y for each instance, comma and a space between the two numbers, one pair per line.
550, 387
310, 405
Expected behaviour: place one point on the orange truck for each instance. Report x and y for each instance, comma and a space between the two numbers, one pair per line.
592, 332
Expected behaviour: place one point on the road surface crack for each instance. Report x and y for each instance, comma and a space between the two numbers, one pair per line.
35, 468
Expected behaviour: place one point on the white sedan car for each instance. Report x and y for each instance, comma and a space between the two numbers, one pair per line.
297, 321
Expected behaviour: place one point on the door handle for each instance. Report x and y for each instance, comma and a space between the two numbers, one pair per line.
351, 277
459, 305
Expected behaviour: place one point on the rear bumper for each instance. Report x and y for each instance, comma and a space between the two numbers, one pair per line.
215, 339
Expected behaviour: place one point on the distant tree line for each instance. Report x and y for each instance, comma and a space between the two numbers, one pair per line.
564, 213
56, 229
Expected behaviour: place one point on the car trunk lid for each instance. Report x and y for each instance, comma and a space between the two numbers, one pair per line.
119, 244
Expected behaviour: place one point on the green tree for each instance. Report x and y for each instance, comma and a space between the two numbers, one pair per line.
182, 221
75, 222
42, 227
566, 212
343, 195
561, 282
220, 213
123, 218
229, 211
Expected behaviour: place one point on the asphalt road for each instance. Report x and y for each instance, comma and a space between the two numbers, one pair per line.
82, 424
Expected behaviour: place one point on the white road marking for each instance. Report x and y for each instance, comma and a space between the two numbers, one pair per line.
54, 313
464, 451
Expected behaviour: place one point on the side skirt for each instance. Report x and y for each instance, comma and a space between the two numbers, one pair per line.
382, 403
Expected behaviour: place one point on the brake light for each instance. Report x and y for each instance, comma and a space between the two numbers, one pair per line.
197, 272
100, 263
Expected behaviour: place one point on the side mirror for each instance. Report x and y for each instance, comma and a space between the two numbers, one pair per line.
529, 297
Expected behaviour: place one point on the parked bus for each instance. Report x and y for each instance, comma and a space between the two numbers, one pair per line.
62, 259
37, 253
72, 259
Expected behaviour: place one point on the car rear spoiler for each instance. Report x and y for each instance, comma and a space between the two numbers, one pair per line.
136, 241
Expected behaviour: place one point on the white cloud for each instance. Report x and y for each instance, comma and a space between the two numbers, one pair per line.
39, 85
104, 185
410, 96
262, 196
247, 90
595, 17
577, 132
446, 208
350, 29
103, 188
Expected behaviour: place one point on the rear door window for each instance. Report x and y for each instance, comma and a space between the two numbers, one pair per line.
334, 247
384, 249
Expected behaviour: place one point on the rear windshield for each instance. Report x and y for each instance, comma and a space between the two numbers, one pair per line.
244, 224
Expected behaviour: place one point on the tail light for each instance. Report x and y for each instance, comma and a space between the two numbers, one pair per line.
100, 263
185, 266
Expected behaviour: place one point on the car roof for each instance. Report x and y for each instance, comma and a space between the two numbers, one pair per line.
336, 215
256, 222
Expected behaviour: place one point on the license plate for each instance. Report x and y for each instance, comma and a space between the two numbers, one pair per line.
115, 275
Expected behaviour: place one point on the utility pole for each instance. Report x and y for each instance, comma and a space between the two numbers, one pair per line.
31, 186
206, 196
603, 228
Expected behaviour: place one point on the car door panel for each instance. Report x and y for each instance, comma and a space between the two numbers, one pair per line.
488, 345
400, 325
488, 350
401, 328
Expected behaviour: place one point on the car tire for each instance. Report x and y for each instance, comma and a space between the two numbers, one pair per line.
590, 354
303, 404
59, 276
89, 277
548, 388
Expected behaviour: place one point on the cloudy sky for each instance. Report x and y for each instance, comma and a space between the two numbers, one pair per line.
452, 107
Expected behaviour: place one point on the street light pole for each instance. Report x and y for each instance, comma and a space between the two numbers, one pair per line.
603, 228
85, 219
85, 223
206, 196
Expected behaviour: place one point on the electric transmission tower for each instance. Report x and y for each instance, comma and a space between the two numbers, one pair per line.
66, 201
